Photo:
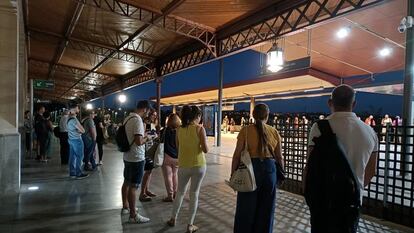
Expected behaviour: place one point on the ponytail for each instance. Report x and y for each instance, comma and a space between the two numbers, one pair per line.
261, 114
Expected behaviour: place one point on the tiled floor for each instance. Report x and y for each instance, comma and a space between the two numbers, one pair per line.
93, 204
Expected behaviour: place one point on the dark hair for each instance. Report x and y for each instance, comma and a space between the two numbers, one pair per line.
46, 115
72, 104
189, 114
143, 104
260, 115
343, 96
39, 107
26, 112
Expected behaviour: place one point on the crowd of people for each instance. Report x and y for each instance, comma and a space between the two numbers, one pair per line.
185, 146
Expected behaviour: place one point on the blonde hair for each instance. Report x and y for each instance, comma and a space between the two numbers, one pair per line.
174, 121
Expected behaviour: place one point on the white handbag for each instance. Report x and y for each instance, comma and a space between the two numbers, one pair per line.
159, 153
243, 179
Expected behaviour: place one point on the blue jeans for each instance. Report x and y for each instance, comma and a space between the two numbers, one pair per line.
255, 210
75, 156
89, 150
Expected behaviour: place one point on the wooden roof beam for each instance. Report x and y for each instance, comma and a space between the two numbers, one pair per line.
142, 30
141, 50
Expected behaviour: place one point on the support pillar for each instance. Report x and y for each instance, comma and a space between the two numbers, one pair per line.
220, 102
252, 104
12, 95
158, 80
408, 91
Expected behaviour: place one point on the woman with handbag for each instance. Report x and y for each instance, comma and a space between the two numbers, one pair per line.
191, 145
255, 209
170, 164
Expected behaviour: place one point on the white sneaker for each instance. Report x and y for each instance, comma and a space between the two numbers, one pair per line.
126, 211
139, 219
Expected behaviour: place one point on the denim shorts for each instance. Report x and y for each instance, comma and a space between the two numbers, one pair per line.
133, 172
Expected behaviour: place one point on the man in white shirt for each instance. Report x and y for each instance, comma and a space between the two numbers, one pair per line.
134, 160
358, 140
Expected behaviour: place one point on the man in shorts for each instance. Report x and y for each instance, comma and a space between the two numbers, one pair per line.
134, 161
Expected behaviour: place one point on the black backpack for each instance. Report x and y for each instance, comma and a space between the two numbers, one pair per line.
331, 188
121, 138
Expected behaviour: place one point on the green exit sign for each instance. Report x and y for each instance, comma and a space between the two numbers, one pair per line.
44, 84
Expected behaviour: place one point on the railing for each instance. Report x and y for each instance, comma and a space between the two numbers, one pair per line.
390, 195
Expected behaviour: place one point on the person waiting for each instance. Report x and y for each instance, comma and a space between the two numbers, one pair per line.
191, 144
170, 164
255, 210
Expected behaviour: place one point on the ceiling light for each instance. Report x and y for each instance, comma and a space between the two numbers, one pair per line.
122, 98
89, 106
275, 59
343, 32
385, 52
33, 188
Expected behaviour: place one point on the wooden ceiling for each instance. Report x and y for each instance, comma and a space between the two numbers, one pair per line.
358, 53
85, 44
72, 33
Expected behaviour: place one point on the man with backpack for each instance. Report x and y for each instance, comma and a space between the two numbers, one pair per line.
341, 161
131, 140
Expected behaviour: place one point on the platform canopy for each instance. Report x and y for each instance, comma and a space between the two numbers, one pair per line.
96, 47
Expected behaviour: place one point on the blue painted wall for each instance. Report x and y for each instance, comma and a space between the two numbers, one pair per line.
367, 103
246, 66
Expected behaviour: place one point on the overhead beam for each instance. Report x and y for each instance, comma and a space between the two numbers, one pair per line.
77, 71
199, 32
62, 45
282, 19
277, 20
136, 52
168, 9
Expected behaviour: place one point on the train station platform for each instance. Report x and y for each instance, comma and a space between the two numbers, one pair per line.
94, 204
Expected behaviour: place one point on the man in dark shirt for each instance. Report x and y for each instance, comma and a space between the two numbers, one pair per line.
41, 133
99, 136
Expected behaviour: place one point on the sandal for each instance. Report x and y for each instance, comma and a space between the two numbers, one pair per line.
168, 199
192, 228
150, 194
145, 198
171, 222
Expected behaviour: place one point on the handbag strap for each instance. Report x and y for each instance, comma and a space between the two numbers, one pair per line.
246, 145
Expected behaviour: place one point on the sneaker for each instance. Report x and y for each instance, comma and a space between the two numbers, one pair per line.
100, 163
139, 219
72, 177
82, 176
126, 211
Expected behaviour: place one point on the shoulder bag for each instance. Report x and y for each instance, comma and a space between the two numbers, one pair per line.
243, 179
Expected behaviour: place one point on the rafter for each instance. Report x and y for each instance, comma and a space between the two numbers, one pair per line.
138, 51
199, 32
138, 33
279, 19
62, 45
74, 71
282, 19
